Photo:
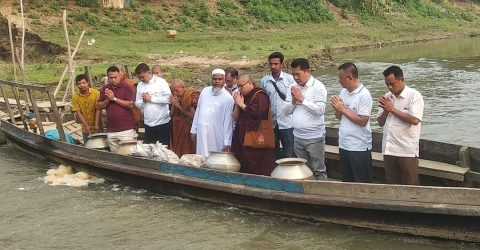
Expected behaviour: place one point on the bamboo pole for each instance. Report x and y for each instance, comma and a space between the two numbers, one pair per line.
68, 89
22, 55
88, 74
15, 90
12, 48
19, 106
7, 105
22, 58
60, 83
69, 50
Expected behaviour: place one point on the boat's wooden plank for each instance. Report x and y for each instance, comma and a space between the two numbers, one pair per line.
426, 167
290, 204
31, 86
12, 101
6, 117
257, 186
45, 106
386, 192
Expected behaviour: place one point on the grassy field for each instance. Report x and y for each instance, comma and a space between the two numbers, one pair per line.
234, 32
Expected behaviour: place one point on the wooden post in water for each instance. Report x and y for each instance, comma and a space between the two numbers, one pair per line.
58, 117
19, 106
7, 104
37, 112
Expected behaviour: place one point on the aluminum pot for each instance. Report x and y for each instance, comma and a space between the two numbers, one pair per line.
292, 169
223, 161
97, 141
126, 147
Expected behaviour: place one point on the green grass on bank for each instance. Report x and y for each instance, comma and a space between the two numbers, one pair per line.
234, 30
292, 40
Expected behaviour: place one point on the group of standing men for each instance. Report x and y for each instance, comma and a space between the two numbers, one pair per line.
219, 118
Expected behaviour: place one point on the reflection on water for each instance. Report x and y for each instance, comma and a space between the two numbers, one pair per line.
34, 215
447, 73
111, 216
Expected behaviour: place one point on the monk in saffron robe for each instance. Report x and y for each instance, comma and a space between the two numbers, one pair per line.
251, 107
184, 101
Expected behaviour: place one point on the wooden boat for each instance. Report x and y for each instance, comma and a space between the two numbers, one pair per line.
449, 212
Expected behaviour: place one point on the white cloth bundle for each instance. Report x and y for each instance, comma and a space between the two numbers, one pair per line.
192, 160
158, 152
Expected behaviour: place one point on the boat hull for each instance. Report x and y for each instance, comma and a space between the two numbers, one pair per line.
449, 213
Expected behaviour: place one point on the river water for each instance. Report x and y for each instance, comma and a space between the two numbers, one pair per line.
34, 215
447, 74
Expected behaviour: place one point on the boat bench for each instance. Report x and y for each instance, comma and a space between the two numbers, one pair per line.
426, 167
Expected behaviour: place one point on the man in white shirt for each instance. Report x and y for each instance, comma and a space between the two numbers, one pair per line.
153, 98
306, 102
353, 107
401, 120
231, 80
277, 85
213, 122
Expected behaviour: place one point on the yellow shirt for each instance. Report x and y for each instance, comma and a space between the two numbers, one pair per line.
85, 104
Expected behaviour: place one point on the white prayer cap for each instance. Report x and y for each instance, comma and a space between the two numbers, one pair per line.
218, 72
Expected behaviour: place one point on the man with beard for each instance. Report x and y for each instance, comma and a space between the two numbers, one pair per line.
212, 123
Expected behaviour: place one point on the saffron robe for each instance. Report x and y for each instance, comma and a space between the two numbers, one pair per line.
182, 123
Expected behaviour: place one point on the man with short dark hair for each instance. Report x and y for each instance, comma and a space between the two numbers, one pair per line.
401, 119
153, 98
84, 106
306, 102
118, 98
231, 80
276, 85
353, 107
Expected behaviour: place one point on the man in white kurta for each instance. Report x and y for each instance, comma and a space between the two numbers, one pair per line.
212, 124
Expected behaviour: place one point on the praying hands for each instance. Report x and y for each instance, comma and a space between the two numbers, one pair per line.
297, 96
337, 103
